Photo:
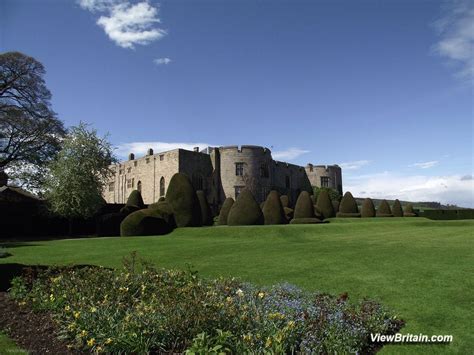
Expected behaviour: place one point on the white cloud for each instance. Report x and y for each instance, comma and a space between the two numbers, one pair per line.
456, 29
354, 165
125, 23
289, 154
453, 189
425, 165
140, 148
161, 61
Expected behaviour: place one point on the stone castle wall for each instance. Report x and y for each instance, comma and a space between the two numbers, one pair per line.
320, 175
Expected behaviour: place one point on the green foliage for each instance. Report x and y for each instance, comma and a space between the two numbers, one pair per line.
140, 310
409, 212
334, 195
335, 205
135, 199
348, 207
313, 220
304, 206
78, 175
397, 209
448, 214
225, 209
245, 211
184, 202
163, 210
384, 210
273, 211
144, 222
324, 205
206, 213
126, 210
289, 213
285, 201
109, 224
368, 208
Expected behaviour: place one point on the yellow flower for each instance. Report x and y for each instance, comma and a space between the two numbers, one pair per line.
67, 308
98, 349
247, 337
91, 342
77, 314
268, 343
291, 324
229, 299
22, 303
83, 334
71, 326
143, 288
261, 295
108, 341
239, 293
93, 309
51, 297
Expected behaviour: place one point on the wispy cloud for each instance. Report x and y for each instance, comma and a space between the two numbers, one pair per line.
162, 61
289, 154
354, 165
140, 148
453, 189
125, 23
425, 165
456, 30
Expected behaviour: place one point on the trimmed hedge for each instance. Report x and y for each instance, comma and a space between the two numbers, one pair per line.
368, 208
289, 212
409, 212
245, 211
324, 205
285, 201
335, 205
466, 214
273, 212
384, 210
206, 213
305, 221
348, 207
225, 209
109, 224
135, 199
304, 206
144, 222
397, 209
448, 214
183, 201
163, 210
126, 210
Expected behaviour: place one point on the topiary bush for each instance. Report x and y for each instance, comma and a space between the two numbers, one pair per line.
206, 213
368, 208
324, 205
397, 209
304, 206
289, 213
184, 202
163, 210
126, 210
305, 221
109, 224
135, 199
384, 210
348, 207
144, 222
285, 201
245, 211
273, 212
409, 212
225, 209
335, 205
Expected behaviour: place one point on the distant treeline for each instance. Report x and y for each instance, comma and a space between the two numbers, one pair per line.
416, 205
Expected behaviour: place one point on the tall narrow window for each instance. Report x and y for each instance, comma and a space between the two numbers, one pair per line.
162, 186
324, 181
139, 186
239, 169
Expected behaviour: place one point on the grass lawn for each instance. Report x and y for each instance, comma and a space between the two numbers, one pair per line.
422, 269
9, 347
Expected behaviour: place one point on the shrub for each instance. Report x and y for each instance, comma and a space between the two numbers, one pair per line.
335, 205
183, 201
409, 212
334, 195
397, 209
163, 210
285, 201
206, 213
465, 213
384, 210
324, 205
273, 212
162, 198
135, 199
348, 206
126, 210
304, 206
225, 209
109, 224
368, 208
144, 222
289, 213
308, 220
141, 310
245, 211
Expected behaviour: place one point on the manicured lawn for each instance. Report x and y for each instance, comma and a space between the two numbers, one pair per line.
9, 347
422, 269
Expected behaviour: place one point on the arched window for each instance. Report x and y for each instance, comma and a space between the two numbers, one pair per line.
139, 186
162, 186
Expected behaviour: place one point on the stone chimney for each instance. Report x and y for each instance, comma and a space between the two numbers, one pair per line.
131, 156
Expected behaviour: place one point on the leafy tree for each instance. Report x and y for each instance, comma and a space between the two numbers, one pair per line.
334, 195
30, 132
77, 177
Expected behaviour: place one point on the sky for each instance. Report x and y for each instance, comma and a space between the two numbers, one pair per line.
383, 88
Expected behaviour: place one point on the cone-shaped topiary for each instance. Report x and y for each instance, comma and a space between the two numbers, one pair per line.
245, 211
304, 206
109, 224
313, 199
262, 204
285, 201
384, 210
409, 212
206, 213
135, 199
335, 205
317, 212
368, 208
144, 222
324, 205
273, 212
397, 209
184, 202
225, 209
348, 206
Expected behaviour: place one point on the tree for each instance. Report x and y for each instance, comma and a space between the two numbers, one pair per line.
30, 132
78, 175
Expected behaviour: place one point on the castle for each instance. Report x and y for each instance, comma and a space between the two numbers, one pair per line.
220, 172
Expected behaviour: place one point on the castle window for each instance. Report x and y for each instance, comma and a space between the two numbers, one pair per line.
139, 186
324, 181
133, 182
129, 170
238, 190
197, 182
287, 182
239, 169
111, 186
162, 186
129, 183
147, 160
264, 171
162, 156
263, 193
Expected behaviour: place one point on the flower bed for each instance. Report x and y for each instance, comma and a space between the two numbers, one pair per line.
141, 309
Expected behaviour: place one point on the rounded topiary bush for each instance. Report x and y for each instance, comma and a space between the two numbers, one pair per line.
225, 209
162, 198
109, 224
304, 206
335, 205
324, 205
126, 210
368, 208
184, 202
135, 199
397, 209
348, 206
163, 210
273, 212
285, 201
289, 213
144, 222
305, 221
409, 212
384, 210
245, 211
206, 213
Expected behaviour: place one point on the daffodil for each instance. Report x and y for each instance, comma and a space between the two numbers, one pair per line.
91, 342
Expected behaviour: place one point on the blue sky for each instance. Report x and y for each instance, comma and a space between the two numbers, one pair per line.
383, 88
